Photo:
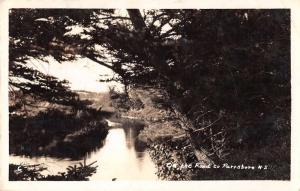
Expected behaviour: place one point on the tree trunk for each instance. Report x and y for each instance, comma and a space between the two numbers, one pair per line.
140, 26
149, 48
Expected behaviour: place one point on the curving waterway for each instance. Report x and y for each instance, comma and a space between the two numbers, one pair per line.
122, 157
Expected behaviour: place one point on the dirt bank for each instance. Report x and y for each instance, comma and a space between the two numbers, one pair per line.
162, 133
169, 144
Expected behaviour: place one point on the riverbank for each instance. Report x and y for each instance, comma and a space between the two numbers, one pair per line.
56, 140
63, 132
55, 130
162, 133
168, 144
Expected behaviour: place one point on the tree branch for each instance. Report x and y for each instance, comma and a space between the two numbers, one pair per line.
136, 19
100, 62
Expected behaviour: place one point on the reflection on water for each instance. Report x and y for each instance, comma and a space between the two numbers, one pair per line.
121, 157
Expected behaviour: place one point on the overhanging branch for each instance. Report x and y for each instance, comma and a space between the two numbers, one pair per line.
99, 62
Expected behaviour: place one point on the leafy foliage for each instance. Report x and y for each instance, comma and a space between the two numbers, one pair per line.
33, 172
31, 34
57, 134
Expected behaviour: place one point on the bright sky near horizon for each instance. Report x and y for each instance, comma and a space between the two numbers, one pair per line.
83, 74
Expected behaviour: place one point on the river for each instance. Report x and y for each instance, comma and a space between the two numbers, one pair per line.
122, 157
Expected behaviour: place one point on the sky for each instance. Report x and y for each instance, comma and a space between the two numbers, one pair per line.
83, 74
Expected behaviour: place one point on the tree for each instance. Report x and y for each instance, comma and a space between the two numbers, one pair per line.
235, 63
32, 35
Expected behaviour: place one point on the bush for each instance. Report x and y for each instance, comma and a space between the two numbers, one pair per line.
23, 172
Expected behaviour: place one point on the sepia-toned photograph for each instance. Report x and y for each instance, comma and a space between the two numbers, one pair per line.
149, 94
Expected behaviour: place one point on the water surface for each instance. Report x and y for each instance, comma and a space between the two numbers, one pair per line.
122, 157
